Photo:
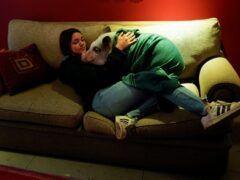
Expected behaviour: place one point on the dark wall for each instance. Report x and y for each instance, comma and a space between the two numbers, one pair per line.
105, 10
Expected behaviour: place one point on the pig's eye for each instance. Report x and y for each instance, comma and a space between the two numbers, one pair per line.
97, 50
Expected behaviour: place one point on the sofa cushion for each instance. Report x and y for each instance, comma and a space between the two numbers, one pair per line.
197, 40
96, 123
22, 69
179, 123
50, 103
176, 124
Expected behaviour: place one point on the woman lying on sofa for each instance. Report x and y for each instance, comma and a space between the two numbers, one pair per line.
111, 94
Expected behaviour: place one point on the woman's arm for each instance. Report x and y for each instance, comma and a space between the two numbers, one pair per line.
125, 40
117, 56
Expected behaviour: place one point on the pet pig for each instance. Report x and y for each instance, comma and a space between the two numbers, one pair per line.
99, 49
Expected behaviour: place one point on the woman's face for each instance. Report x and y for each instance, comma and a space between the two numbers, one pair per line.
78, 44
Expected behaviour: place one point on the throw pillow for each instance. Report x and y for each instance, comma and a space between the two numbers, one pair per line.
22, 69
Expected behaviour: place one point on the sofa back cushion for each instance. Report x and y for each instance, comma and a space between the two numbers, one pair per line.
46, 36
197, 40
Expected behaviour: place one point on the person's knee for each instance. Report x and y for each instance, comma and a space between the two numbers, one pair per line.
103, 109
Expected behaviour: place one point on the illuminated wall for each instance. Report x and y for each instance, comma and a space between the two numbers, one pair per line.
105, 10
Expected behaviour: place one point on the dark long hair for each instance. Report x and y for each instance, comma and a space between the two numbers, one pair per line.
65, 40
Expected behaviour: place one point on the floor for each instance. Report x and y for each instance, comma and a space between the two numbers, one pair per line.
89, 171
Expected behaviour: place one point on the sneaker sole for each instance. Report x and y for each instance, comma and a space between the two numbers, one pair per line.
219, 118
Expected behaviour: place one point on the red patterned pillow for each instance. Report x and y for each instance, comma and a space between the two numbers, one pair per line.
22, 69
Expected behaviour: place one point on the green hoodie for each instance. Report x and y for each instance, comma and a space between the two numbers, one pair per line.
154, 62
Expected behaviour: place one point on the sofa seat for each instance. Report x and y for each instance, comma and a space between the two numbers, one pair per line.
158, 125
51, 104
176, 123
57, 104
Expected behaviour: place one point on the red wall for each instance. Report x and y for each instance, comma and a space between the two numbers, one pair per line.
133, 10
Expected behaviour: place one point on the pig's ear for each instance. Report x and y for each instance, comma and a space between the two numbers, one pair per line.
106, 30
106, 42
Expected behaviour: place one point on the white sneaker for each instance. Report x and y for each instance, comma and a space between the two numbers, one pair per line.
218, 111
121, 125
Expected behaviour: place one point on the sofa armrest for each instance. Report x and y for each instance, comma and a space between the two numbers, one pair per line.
217, 74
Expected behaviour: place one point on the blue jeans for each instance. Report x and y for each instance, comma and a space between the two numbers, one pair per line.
121, 99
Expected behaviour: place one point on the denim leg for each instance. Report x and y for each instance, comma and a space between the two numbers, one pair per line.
186, 99
123, 99
147, 106
117, 99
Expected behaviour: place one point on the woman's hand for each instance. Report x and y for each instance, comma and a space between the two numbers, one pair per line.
125, 40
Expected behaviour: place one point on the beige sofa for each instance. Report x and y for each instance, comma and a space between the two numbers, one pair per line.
48, 118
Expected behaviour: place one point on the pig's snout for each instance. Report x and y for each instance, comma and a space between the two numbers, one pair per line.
87, 57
